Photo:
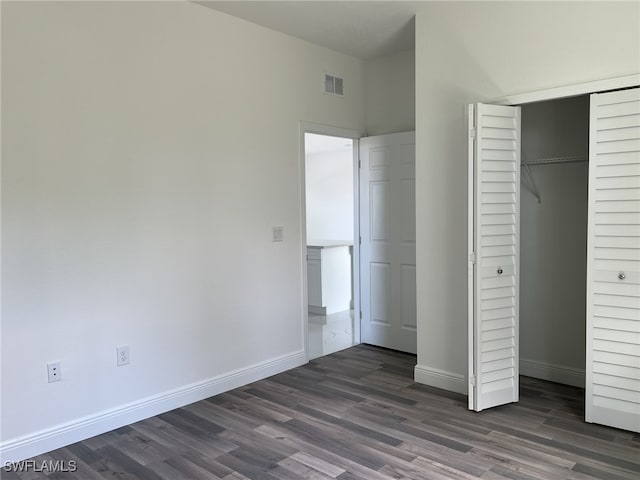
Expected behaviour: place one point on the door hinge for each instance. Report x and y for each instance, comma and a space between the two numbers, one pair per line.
360, 240
472, 380
472, 257
472, 133
359, 163
360, 314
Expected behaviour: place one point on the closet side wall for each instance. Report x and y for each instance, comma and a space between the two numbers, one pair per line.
554, 241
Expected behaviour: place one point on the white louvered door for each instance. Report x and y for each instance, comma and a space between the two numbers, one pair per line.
494, 194
613, 261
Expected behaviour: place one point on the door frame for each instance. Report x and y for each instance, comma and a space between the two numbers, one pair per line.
355, 135
573, 90
555, 93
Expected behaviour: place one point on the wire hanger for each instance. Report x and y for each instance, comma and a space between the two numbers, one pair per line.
533, 188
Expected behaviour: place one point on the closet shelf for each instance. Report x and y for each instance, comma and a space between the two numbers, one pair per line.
543, 161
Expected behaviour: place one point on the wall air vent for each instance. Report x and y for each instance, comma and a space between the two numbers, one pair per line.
333, 85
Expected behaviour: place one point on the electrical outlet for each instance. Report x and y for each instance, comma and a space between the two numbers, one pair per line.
54, 371
123, 355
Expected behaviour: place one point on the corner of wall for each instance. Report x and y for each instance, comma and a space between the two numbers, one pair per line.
434, 377
390, 93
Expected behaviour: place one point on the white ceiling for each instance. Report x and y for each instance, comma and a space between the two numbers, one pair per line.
362, 29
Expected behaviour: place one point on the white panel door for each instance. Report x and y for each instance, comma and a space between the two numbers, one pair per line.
388, 250
494, 198
613, 261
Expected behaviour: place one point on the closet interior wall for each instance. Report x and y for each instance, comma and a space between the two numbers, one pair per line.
554, 240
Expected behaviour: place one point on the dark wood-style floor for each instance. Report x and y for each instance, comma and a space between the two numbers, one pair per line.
357, 414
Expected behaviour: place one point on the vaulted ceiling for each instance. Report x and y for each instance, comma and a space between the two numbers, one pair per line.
363, 29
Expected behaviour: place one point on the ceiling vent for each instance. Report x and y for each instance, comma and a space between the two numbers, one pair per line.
333, 85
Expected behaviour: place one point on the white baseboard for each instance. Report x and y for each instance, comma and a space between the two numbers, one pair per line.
552, 372
18, 449
435, 377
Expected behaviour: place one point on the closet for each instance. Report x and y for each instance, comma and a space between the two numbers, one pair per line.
554, 251
553, 239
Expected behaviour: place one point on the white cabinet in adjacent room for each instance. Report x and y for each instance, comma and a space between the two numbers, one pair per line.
329, 277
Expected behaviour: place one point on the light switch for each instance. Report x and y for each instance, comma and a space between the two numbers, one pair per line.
278, 234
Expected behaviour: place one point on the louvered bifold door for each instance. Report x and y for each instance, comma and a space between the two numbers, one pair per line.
613, 261
494, 244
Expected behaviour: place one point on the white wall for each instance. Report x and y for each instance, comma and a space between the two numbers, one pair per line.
553, 241
390, 89
329, 195
147, 150
469, 52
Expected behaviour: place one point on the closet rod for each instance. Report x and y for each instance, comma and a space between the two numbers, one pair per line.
542, 161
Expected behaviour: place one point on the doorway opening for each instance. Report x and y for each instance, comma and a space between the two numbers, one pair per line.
553, 239
331, 219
